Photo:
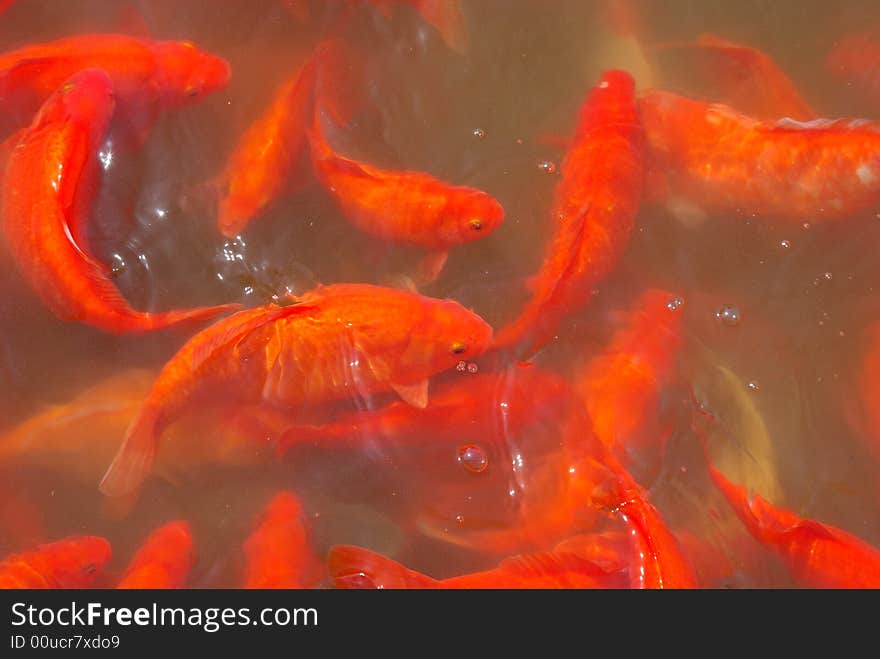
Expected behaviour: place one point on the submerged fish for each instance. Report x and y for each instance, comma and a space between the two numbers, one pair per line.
148, 76
278, 553
715, 160
743, 77
163, 561
73, 562
621, 387
336, 342
50, 182
593, 216
267, 162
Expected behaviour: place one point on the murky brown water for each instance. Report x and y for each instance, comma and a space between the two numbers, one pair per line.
781, 380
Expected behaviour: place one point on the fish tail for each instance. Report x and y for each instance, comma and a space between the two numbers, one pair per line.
135, 457
357, 568
167, 318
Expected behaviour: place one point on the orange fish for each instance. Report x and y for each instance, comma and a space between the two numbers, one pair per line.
716, 160
855, 60
336, 342
73, 562
278, 553
484, 408
148, 76
267, 161
407, 207
50, 182
164, 560
594, 212
355, 567
657, 558
622, 386
740, 76
817, 555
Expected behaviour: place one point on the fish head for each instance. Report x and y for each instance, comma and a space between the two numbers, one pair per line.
85, 98
446, 334
74, 562
188, 73
470, 214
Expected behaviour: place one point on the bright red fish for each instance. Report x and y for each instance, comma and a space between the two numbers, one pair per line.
740, 76
73, 562
817, 555
50, 182
278, 553
622, 385
355, 567
164, 560
267, 163
336, 342
594, 212
148, 76
401, 206
717, 160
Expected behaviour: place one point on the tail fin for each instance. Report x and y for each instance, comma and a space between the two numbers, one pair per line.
135, 457
357, 568
447, 18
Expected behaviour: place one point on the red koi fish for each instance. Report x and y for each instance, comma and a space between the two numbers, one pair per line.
594, 212
148, 76
657, 558
50, 181
621, 386
715, 159
486, 407
817, 555
266, 164
164, 560
73, 562
278, 553
406, 207
737, 75
358, 568
854, 60
335, 342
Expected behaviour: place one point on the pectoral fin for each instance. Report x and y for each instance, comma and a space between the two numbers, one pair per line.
413, 394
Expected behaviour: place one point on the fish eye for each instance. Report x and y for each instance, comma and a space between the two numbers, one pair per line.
192, 91
457, 348
473, 458
68, 87
476, 224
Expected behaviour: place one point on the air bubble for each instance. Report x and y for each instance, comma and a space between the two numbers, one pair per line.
828, 276
479, 133
674, 304
728, 314
473, 458
784, 244
472, 367
547, 166
754, 385
461, 366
